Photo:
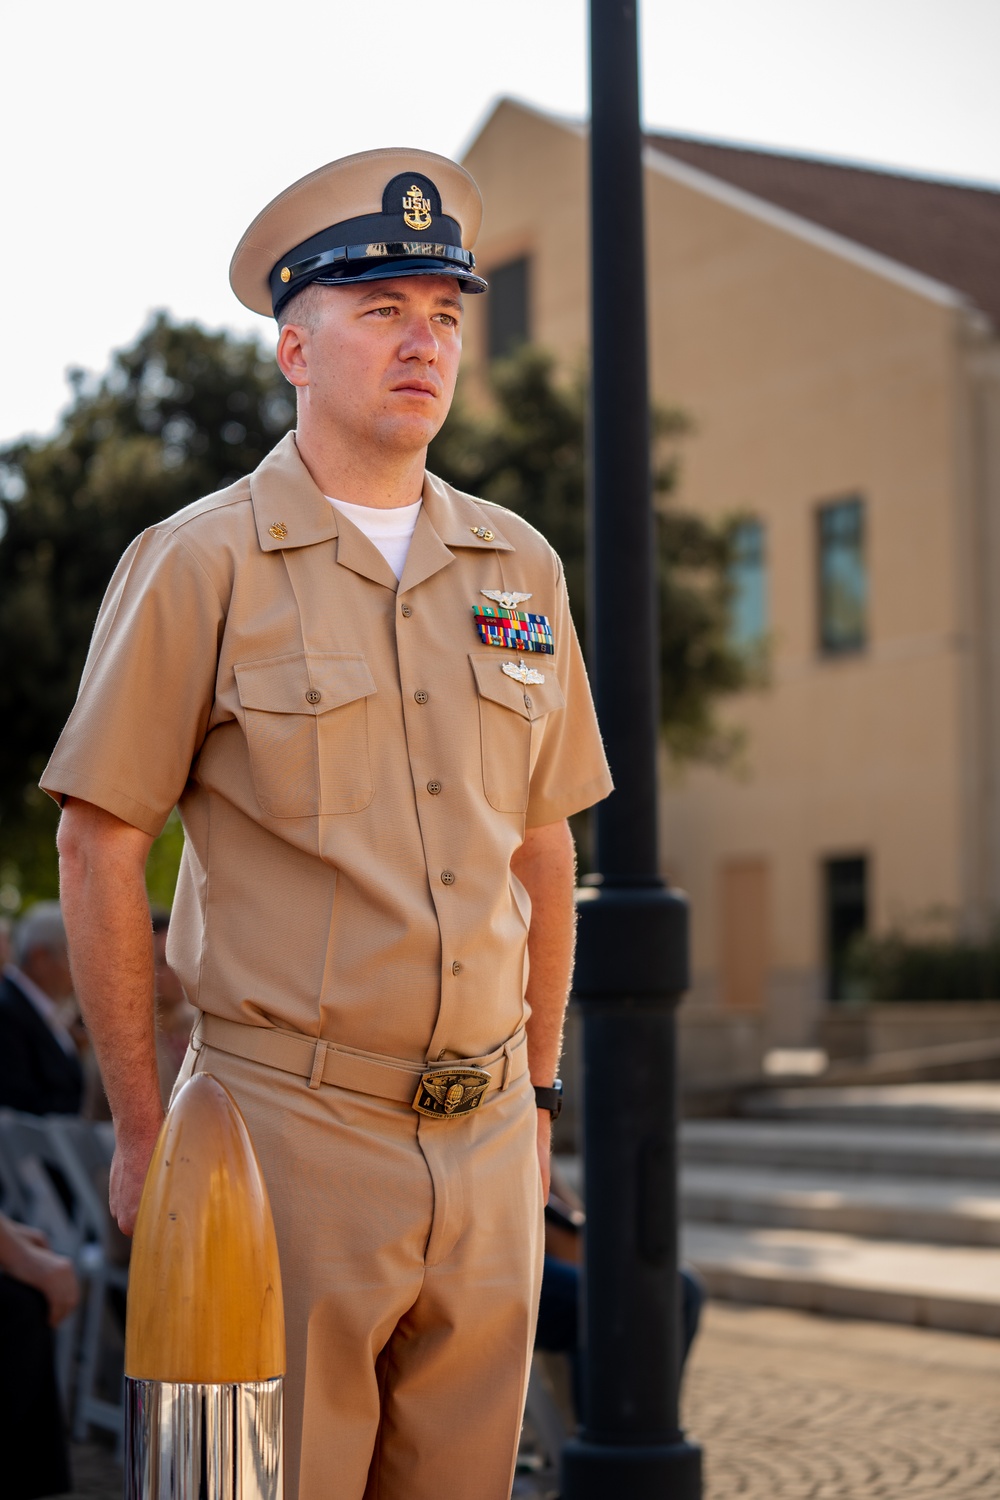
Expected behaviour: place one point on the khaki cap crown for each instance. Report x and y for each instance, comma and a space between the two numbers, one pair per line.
352, 188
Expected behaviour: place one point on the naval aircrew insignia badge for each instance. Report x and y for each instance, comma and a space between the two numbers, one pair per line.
416, 209
526, 676
506, 598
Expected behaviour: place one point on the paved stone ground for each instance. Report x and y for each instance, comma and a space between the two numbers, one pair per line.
788, 1406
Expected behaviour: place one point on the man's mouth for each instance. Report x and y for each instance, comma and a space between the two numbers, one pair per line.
416, 388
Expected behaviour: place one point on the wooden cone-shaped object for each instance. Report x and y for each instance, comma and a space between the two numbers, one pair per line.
204, 1300
205, 1336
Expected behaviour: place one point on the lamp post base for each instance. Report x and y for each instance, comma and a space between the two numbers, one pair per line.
661, 1471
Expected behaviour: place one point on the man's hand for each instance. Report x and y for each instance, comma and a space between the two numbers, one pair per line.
128, 1174
25, 1256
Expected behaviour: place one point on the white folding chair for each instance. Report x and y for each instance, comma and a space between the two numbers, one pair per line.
11, 1197
37, 1167
84, 1149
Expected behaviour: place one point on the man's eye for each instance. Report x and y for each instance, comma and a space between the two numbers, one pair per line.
384, 312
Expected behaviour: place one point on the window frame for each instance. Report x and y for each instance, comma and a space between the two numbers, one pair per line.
514, 338
827, 643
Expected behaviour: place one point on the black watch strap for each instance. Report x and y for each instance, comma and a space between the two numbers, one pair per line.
550, 1099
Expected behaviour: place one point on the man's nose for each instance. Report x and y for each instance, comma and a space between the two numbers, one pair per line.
419, 341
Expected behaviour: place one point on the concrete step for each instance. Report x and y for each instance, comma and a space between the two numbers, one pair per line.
909, 1208
930, 1285
812, 1146
953, 1106
975, 1060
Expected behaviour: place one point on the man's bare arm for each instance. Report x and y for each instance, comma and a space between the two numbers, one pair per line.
102, 864
545, 864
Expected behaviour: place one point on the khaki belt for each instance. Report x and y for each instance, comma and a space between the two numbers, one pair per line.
446, 1090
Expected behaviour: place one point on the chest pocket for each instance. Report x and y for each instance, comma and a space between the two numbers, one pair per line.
511, 723
307, 733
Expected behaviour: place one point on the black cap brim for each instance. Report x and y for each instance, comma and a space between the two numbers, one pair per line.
387, 270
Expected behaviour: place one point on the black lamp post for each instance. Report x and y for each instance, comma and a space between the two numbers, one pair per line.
631, 966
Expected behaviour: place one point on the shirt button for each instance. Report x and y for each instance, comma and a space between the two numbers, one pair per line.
420, 696
447, 877
434, 787
314, 695
456, 967
527, 701
406, 610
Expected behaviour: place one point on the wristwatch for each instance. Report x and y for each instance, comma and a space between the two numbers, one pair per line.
550, 1099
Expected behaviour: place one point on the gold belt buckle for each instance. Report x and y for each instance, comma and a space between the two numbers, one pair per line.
446, 1093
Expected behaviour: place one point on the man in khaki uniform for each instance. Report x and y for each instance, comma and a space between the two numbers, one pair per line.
374, 747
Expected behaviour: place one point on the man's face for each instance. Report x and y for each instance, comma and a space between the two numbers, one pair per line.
49, 968
381, 362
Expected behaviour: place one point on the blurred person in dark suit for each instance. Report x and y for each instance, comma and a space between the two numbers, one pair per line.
37, 1290
40, 1070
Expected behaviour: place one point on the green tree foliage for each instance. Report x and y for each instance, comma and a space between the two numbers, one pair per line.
179, 414
183, 412
527, 451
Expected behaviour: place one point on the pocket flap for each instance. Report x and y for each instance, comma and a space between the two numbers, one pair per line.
304, 684
532, 700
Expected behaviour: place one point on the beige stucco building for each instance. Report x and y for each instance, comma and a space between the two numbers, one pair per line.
831, 333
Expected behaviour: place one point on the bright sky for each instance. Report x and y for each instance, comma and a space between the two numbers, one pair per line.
140, 140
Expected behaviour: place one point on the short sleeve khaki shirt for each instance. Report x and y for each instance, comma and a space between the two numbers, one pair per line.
353, 767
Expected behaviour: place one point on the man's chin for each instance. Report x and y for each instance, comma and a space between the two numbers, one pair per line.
410, 434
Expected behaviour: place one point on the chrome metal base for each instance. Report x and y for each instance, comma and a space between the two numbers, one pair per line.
203, 1442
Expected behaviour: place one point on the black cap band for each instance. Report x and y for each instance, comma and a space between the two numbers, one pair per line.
364, 248
324, 267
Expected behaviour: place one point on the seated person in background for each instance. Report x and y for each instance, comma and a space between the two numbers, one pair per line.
37, 1290
40, 1071
558, 1312
174, 1015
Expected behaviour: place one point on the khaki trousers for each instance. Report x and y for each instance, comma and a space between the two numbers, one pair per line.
411, 1261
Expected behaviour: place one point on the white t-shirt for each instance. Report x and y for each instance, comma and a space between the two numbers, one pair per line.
390, 530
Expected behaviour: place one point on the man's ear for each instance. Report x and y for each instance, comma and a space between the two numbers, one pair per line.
292, 354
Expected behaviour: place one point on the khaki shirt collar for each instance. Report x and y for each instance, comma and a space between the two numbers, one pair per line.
290, 511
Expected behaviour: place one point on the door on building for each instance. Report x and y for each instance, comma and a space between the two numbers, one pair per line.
746, 933
845, 898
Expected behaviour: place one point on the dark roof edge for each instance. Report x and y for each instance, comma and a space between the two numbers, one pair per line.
660, 140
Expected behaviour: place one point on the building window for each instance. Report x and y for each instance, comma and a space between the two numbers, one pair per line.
846, 901
507, 308
748, 581
843, 577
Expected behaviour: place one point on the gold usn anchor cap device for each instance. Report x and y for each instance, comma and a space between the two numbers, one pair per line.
377, 214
